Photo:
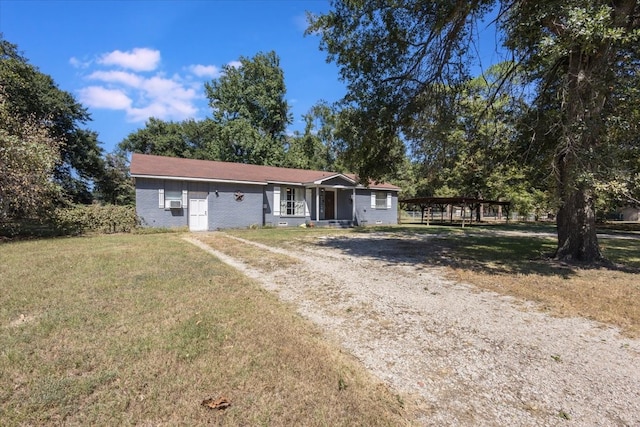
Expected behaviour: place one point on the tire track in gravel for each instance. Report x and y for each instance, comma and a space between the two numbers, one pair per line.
474, 357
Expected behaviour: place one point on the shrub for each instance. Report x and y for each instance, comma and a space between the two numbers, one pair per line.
80, 219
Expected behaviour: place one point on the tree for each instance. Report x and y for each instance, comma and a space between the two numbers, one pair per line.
468, 148
115, 186
34, 97
188, 139
248, 124
357, 129
249, 105
28, 156
317, 148
575, 58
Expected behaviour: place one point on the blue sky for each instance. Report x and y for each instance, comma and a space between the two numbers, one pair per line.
129, 60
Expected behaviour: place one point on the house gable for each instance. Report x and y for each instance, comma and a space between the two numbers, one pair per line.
336, 181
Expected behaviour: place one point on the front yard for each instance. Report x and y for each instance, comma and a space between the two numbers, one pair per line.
140, 329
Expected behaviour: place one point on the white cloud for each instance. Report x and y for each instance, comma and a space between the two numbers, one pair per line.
163, 88
76, 63
140, 95
156, 110
100, 97
128, 79
205, 71
235, 64
138, 59
162, 109
167, 99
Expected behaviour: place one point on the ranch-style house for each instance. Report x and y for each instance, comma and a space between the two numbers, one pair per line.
212, 195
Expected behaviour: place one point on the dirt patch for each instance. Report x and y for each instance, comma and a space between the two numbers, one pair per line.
472, 357
23, 319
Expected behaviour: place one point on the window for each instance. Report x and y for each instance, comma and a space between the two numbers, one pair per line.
292, 202
381, 200
166, 197
172, 195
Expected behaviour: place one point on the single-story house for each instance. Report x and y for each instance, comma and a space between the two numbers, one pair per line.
211, 195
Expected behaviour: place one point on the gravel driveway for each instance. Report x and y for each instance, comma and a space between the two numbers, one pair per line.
472, 357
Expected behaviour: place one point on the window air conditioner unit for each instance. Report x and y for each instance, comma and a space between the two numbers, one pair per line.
175, 204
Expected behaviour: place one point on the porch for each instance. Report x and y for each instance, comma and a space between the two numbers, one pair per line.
331, 205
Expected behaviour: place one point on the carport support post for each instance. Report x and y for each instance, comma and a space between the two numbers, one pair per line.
464, 208
318, 203
353, 205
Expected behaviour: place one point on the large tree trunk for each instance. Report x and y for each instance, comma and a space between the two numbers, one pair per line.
577, 239
582, 127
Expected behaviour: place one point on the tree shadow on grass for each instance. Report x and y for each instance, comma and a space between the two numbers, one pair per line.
484, 253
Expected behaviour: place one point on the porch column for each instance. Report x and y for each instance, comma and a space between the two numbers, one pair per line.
353, 205
317, 203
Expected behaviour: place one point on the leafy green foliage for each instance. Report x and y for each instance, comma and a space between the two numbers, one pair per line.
188, 139
407, 65
115, 186
80, 219
469, 149
357, 129
318, 147
249, 105
28, 156
33, 96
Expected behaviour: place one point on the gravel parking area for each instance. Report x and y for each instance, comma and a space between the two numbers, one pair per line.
472, 357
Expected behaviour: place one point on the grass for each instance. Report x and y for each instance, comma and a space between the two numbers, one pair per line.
280, 236
512, 264
140, 329
259, 258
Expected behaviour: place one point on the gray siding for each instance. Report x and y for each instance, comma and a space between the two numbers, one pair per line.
147, 204
373, 216
255, 208
273, 220
345, 205
226, 212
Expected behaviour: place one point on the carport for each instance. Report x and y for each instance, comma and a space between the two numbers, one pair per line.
447, 204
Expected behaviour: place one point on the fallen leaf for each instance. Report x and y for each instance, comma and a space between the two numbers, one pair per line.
219, 403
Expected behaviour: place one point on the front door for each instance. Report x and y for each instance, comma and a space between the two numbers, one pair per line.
198, 219
329, 205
